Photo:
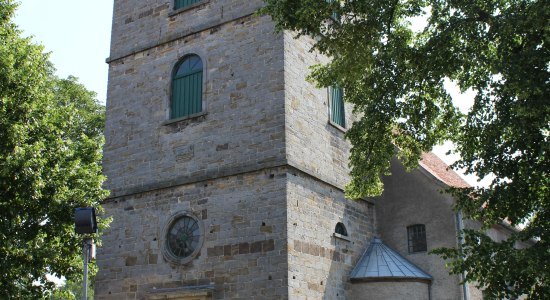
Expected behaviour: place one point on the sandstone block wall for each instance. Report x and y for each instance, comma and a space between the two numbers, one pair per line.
242, 130
244, 255
262, 167
313, 144
138, 25
320, 263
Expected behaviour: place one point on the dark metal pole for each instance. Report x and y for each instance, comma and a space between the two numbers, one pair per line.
85, 223
86, 245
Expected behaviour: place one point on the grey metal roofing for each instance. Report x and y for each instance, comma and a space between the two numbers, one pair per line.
381, 263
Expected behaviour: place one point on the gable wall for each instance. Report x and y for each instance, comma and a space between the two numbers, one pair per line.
414, 198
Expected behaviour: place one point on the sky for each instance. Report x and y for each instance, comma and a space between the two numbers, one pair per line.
77, 33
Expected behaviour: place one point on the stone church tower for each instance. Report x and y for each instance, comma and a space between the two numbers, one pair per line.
226, 167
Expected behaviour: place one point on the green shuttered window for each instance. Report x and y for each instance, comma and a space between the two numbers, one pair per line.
337, 114
187, 87
183, 3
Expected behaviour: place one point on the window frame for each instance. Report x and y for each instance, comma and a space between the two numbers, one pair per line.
185, 7
417, 241
180, 61
330, 113
343, 236
176, 11
167, 253
342, 228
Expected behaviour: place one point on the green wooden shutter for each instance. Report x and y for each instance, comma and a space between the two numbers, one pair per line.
337, 114
187, 95
187, 87
183, 3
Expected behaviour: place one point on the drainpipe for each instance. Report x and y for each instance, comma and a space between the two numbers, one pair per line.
459, 228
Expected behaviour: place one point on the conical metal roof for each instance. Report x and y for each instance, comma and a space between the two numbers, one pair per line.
381, 263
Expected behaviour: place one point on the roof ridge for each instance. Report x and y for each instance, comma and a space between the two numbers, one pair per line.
434, 165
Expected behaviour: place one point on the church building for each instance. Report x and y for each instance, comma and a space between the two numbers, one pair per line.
226, 170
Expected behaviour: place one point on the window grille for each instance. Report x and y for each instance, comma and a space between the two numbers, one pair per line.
417, 238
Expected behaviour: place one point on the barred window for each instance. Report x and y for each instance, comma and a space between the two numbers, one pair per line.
417, 238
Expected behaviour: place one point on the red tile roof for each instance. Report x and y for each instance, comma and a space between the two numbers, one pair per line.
440, 170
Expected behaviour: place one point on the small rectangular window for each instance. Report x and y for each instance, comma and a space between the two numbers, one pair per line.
183, 3
417, 238
337, 112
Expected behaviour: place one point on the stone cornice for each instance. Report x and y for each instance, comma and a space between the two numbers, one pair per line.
174, 37
222, 173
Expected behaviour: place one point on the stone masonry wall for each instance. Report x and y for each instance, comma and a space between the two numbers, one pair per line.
320, 263
138, 24
269, 227
242, 130
390, 291
244, 253
313, 144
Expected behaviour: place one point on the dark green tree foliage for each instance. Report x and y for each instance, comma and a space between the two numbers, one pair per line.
395, 77
50, 163
72, 290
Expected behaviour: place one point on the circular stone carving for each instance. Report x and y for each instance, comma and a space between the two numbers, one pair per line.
183, 238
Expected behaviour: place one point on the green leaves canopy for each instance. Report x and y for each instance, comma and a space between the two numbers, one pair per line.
50, 163
395, 77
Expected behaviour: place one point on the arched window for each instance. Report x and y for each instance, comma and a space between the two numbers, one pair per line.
337, 113
417, 238
183, 3
187, 87
341, 229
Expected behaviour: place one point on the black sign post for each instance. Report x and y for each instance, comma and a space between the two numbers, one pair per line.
86, 223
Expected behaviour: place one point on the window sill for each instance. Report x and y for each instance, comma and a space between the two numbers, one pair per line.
192, 6
344, 130
189, 117
419, 252
342, 237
